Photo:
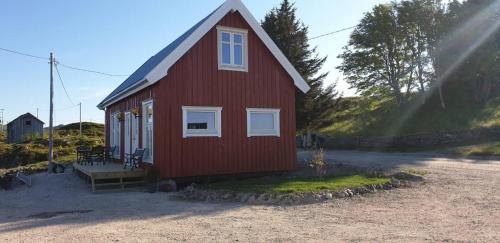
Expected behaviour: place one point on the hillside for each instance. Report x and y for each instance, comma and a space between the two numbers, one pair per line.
382, 117
32, 153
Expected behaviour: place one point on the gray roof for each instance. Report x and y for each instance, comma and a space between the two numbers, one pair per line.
140, 74
25, 115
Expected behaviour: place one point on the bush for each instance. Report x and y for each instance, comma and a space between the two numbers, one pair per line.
318, 163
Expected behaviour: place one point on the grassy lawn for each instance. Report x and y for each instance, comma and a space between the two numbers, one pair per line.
291, 185
483, 149
382, 117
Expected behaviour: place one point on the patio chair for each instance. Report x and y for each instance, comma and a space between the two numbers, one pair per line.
82, 154
97, 156
108, 154
134, 160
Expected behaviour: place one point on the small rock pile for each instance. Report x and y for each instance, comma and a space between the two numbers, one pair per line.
193, 193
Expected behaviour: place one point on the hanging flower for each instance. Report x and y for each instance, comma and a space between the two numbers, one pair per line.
136, 112
121, 116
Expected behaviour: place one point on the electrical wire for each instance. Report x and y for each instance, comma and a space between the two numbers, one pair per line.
62, 84
64, 65
24, 54
92, 71
333, 32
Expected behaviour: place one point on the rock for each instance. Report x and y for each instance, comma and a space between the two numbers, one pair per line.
395, 182
227, 196
348, 193
328, 196
167, 186
246, 196
252, 199
190, 188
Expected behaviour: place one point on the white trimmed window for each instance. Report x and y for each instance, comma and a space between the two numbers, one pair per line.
232, 49
114, 140
201, 121
263, 122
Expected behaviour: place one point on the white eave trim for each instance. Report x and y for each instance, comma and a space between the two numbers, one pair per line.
162, 68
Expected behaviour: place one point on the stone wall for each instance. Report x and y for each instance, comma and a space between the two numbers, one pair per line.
419, 140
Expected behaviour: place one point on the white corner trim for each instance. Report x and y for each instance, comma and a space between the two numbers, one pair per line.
217, 132
276, 132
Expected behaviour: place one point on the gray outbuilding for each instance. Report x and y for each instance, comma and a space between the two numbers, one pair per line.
23, 126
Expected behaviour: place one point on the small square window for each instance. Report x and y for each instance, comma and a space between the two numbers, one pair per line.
28, 123
263, 122
201, 121
232, 48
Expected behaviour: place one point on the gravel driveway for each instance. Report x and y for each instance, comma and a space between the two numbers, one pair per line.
459, 202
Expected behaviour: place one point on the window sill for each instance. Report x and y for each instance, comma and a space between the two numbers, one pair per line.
233, 68
201, 134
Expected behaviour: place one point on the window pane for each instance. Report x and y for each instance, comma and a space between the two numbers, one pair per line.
226, 37
149, 115
226, 54
238, 39
238, 55
262, 121
200, 120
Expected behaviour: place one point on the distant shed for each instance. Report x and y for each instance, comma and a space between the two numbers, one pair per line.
23, 126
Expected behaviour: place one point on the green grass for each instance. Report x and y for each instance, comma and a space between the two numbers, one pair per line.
293, 185
359, 116
480, 150
417, 172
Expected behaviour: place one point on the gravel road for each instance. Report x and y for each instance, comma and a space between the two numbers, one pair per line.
459, 202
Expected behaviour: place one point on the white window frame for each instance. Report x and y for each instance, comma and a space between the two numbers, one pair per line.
263, 132
144, 131
217, 132
232, 31
115, 133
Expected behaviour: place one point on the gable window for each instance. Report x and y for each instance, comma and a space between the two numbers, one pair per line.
232, 48
28, 123
201, 121
263, 122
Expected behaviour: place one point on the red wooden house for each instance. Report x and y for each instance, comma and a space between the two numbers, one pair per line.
220, 99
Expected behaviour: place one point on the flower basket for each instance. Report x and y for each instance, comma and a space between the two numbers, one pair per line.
121, 116
136, 112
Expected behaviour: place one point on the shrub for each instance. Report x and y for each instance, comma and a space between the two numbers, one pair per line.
318, 163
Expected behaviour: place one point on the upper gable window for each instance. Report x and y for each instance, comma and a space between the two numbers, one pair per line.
232, 49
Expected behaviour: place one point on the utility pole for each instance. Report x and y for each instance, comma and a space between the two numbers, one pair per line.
1, 120
36, 112
51, 128
80, 118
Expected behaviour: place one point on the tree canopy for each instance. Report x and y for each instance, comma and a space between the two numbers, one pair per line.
424, 45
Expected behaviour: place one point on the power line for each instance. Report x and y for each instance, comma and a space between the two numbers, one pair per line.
64, 87
23, 54
64, 65
91, 71
333, 32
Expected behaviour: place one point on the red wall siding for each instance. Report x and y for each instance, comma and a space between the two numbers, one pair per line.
196, 81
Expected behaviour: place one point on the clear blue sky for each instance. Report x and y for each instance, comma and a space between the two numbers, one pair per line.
117, 37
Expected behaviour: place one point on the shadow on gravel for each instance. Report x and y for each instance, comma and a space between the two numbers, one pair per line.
65, 199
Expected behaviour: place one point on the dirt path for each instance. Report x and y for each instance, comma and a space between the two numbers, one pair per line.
460, 202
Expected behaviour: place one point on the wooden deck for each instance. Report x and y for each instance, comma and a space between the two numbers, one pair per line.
110, 176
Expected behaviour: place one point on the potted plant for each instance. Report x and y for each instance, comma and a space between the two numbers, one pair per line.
121, 116
136, 112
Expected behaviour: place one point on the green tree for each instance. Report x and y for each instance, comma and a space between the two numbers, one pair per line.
377, 59
290, 35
